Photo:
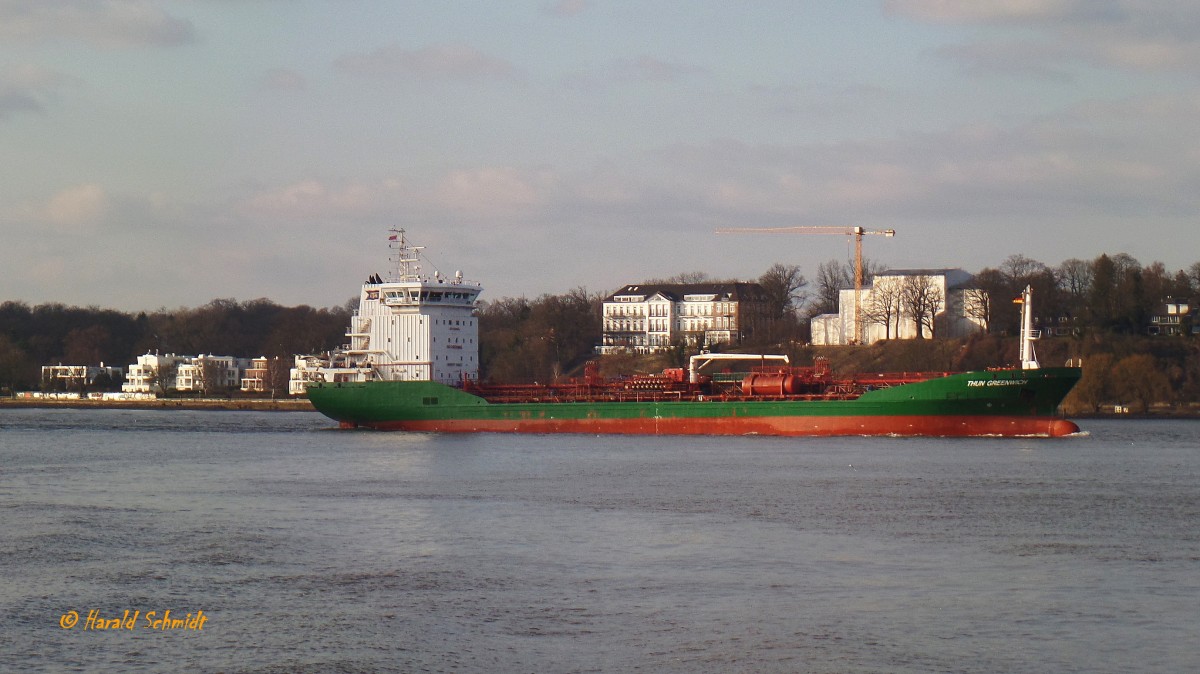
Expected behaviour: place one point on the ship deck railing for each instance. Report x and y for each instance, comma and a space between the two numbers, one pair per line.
888, 379
659, 396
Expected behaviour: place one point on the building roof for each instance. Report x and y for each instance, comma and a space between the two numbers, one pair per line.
676, 291
923, 272
955, 278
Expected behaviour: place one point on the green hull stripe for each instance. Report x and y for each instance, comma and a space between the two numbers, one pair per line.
1000, 393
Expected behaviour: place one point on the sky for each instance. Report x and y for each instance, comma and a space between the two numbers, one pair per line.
164, 153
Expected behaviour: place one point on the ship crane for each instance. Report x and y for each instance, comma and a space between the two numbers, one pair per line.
856, 232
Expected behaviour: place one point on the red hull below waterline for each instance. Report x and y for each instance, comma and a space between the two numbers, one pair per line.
810, 426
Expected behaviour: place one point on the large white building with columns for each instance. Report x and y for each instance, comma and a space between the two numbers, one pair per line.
649, 317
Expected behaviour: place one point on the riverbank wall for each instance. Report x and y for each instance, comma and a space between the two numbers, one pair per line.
247, 404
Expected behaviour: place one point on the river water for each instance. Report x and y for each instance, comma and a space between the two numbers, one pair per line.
314, 550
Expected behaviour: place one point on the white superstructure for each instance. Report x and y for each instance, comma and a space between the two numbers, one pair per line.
410, 326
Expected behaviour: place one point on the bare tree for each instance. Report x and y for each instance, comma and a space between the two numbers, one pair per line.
1075, 278
87, 345
831, 278
1096, 386
871, 269
977, 304
1157, 282
922, 300
884, 306
162, 377
279, 371
1020, 270
784, 286
13, 363
1139, 379
686, 278
210, 375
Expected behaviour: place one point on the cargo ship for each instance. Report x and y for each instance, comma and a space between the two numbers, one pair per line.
412, 364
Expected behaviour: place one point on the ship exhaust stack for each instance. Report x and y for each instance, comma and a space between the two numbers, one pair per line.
1028, 334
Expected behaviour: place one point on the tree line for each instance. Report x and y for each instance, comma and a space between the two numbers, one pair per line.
1105, 305
1110, 294
53, 333
553, 335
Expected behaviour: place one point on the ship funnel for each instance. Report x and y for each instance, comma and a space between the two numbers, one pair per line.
1028, 334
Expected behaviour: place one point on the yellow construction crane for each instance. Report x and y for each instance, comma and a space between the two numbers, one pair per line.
856, 232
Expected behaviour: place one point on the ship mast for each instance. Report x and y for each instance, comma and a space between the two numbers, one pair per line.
406, 258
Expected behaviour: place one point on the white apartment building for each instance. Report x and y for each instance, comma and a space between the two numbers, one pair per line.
225, 371
152, 373
156, 373
77, 375
311, 369
645, 318
886, 313
254, 378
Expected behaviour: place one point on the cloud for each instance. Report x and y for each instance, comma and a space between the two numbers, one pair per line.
651, 69
27, 88
435, 62
478, 192
16, 101
100, 23
282, 79
1100, 177
77, 207
71, 210
642, 68
80, 232
567, 8
1142, 35
492, 189
1001, 11
1141, 50
1038, 60
87, 207
1133, 159
314, 199
965, 197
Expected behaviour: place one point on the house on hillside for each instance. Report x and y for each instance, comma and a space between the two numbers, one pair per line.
906, 304
645, 318
1174, 317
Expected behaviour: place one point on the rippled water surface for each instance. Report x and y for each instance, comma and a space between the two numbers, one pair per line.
314, 550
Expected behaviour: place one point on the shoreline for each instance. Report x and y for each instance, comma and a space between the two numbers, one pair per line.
214, 404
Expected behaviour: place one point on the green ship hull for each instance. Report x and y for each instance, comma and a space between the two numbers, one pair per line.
1011, 402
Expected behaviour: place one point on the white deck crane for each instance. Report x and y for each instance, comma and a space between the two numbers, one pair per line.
856, 232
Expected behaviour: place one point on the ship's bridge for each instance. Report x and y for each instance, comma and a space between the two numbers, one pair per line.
416, 327
443, 294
